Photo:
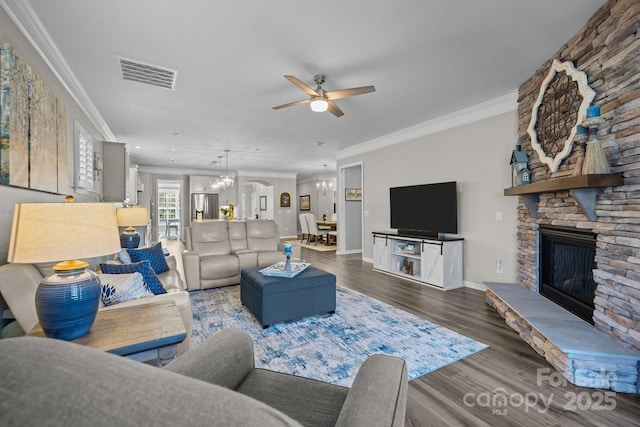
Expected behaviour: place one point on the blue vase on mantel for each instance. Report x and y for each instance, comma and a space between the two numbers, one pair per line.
67, 303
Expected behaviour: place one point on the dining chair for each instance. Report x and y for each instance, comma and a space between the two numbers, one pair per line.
313, 228
304, 225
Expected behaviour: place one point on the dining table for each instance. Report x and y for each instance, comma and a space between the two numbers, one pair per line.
333, 225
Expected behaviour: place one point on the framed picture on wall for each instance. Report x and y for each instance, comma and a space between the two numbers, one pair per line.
353, 194
305, 203
285, 199
263, 203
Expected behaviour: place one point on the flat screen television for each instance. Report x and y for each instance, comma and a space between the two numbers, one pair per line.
427, 209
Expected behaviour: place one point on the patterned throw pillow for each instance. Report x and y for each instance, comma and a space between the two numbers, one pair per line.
118, 288
153, 254
143, 267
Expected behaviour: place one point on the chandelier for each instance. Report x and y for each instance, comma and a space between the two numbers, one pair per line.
323, 185
223, 181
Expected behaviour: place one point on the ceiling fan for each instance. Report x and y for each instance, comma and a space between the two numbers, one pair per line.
320, 99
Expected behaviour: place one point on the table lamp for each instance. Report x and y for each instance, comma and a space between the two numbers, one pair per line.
67, 300
131, 217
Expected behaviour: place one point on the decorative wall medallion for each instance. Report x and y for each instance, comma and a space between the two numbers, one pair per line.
562, 103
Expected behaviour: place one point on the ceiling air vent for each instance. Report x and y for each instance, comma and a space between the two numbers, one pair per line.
153, 75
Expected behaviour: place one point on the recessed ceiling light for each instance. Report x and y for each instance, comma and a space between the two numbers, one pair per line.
256, 149
318, 143
138, 147
172, 149
175, 133
172, 161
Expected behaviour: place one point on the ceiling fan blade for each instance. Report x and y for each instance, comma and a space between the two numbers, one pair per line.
345, 93
334, 109
291, 104
302, 86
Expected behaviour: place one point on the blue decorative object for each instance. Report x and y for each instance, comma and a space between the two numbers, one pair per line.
331, 348
520, 174
593, 111
67, 303
154, 254
129, 239
142, 267
287, 252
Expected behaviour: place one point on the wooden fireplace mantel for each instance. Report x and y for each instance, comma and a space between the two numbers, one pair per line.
583, 188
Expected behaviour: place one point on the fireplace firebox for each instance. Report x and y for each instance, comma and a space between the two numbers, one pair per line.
566, 264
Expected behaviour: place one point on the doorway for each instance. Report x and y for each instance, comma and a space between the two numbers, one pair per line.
169, 214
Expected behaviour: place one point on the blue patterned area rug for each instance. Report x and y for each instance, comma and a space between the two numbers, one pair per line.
331, 348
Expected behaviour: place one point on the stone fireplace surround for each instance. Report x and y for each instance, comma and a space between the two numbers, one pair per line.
607, 49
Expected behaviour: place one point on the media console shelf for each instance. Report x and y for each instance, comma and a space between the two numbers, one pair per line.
431, 261
583, 188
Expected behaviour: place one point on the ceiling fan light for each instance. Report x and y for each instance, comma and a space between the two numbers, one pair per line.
319, 105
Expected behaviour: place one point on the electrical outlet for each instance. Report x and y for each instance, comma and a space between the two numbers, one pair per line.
499, 216
499, 266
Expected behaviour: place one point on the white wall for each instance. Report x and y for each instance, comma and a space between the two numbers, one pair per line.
476, 155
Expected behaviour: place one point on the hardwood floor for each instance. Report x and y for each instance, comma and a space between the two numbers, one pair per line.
495, 387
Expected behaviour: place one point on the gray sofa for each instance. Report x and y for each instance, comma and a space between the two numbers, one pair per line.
218, 250
18, 284
58, 383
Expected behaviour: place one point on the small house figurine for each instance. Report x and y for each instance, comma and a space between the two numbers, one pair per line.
520, 173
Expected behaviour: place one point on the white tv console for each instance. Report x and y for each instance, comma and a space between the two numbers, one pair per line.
427, 260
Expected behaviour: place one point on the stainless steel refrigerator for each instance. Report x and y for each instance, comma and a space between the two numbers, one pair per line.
204, 206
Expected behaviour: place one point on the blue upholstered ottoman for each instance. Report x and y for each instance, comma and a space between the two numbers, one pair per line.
278, 299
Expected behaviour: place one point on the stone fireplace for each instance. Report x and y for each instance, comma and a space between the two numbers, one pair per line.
607, 50
567, 260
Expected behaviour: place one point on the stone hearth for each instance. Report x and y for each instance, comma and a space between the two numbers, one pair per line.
584, 356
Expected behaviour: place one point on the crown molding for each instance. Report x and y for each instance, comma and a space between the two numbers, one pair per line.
493, 107
25, 18
265, 174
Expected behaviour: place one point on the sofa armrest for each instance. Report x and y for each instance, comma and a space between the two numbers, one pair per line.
171, 262
378, 396
225, 359
191, 266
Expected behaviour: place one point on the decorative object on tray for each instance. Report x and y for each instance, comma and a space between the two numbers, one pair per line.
287, 253
595, 159
520, 173
561, 104
279, 269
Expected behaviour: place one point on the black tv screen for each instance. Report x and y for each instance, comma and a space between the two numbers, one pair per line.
425, 209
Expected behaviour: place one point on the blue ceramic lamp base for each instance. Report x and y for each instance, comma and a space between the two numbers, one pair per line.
67, 301
129, 238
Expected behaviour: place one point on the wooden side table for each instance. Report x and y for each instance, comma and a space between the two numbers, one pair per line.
146, 333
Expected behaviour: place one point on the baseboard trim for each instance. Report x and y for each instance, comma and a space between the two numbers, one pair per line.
474, 285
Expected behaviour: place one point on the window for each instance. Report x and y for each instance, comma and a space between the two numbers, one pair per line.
168, 205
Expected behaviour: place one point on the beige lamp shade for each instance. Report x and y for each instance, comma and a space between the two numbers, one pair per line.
134, 216
45, 232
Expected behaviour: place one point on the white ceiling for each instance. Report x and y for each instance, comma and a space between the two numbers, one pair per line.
425, 58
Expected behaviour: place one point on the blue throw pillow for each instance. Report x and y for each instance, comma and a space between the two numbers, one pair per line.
153, 254
142, 267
